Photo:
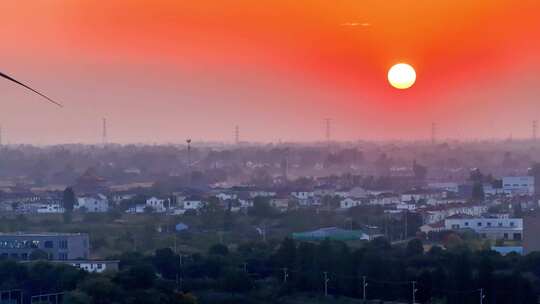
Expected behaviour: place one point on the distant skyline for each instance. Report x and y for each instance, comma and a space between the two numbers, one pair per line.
163, 70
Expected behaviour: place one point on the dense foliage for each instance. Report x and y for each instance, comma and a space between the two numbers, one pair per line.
271, 273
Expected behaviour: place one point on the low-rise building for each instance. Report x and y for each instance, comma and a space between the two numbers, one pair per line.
50, 208
94, 203
349, 203
518, 185
58, 246
159, 205
490, 228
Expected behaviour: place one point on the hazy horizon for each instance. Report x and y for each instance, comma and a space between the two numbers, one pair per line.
163, 71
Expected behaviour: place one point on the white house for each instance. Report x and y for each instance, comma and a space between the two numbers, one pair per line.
445, 186
518, 185
50, 208
302, 195
262, 193
491, 228
384, 199
193, 204
439, 213
357, 192
158, 204
405, 206
349, 203
417, 195
96, 203
94, 266
226, 196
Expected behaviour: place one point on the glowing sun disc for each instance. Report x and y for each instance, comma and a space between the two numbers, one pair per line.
401, 76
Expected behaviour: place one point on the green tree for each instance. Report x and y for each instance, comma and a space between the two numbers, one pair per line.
415, 247
261, 208
77, 297
68, 201
101, 290
218, 249
39, 254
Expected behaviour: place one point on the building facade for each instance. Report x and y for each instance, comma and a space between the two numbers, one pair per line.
518, 185
489, 228
58, 246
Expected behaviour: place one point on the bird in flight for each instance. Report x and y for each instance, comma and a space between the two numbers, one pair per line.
29, 88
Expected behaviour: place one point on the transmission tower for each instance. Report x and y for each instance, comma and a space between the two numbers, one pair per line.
534, 129
104, 131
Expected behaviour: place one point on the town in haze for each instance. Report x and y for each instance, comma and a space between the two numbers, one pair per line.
235, 221
270, 152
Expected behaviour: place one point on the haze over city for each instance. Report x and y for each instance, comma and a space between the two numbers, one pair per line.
162, 71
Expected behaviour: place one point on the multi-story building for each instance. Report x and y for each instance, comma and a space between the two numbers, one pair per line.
518, 185
58, 246
490, 228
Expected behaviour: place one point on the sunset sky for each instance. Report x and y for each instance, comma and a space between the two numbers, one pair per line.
165, 70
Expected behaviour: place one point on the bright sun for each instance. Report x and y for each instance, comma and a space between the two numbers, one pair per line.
401, 76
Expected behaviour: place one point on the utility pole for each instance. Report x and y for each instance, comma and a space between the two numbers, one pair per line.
534, 129
188, 142
414, 290
104, 131
285, 275
433, 133
178, 277
328, 123
326, 279
482, 296
364, 285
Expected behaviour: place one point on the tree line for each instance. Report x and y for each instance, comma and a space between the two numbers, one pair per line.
271, 272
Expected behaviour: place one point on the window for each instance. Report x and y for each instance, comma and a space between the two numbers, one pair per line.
506, 236
500, 224
63, 244
489, 224
99, 266
512, 224
24, 256
466, 223
479, 224
62, 256
517, 236
48, 244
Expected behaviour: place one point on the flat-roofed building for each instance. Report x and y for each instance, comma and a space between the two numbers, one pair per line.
58, 246
490, 228
518, 185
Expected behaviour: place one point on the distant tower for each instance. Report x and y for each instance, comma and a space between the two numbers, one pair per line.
236, 134
433, 133
104, 131
188, 141
328, 123
534, 129
285, 165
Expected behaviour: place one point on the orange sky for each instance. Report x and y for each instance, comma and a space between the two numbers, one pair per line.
164, 70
